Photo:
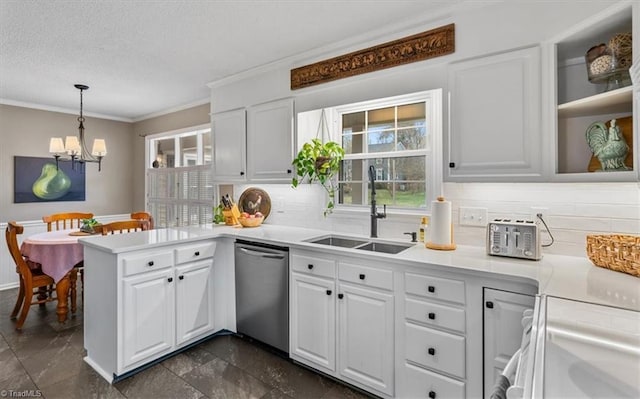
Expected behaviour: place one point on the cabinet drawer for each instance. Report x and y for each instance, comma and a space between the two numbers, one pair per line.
147, 262
434, 287
312, 265
188, 253
434, 314
435, 349
364, 275
420, 383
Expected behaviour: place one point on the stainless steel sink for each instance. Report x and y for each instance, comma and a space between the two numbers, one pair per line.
384, 247
373, 246
338, 241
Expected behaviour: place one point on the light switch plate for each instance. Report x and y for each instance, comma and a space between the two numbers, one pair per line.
471, 216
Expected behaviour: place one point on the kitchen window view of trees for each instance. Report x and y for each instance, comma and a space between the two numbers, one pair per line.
179, 178
397, 140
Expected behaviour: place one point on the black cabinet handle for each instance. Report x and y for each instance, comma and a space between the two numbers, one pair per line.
362, 277
150, 263
170, 279
432, 351
241, 173
431, 288
197, 253
310, 266
432, 316
432, 394
452, 164
489, 304
181, 277
340, 296
328, 292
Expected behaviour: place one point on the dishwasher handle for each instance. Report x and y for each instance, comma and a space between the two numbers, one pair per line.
261, 254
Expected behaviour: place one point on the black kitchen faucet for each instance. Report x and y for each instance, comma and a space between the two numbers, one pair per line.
374, 212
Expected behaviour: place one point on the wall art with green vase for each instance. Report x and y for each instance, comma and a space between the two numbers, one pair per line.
39, 180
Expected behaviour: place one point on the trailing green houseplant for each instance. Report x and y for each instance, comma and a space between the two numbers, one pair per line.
318, 161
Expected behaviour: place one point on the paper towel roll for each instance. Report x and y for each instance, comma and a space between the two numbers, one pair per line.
441, 222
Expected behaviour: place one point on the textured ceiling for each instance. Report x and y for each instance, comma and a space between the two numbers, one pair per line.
146, 57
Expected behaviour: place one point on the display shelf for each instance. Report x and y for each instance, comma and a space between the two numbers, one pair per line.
610, 102
578, 104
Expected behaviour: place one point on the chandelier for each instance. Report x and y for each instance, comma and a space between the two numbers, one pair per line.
75, 148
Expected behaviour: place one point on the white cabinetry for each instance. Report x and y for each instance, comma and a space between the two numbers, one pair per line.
365, 330
270, 146
254, 143
313, 321
194, 300
433, 338
145, 304
502, 331
229, 147
148, 320
575, 102
359, 338
494, 129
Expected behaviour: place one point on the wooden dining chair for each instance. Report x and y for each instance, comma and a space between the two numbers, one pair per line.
143, 216
63, 221
32, 281
124, 226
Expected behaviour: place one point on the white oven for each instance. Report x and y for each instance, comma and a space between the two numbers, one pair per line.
577, 350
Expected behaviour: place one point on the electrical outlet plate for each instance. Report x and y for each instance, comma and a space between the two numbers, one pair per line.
470, 216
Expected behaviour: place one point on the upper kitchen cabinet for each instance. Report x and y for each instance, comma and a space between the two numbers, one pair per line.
229, 135
495, 113
270, 145
590, 87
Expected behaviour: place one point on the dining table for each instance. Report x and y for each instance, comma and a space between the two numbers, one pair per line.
57, 253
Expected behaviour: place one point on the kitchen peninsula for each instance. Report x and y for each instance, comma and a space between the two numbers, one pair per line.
152, 293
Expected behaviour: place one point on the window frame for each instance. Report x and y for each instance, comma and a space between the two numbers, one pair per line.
179, 198
433, 153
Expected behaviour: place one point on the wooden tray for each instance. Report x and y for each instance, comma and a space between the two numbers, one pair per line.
80, 233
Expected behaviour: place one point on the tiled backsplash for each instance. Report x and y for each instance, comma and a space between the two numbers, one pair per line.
573, 210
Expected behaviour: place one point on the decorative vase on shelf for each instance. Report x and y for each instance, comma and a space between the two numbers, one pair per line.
609, 63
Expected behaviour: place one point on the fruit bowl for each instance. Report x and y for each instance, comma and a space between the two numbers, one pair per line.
250, 222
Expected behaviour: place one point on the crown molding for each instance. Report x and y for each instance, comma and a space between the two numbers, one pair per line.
173, 109
50, 108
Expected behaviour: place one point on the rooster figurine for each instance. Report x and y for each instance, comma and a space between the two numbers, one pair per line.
608, 145
253, 207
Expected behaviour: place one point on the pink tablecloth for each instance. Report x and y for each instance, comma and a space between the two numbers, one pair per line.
56, 251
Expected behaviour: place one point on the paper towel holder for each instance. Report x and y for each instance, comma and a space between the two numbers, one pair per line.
439, 246
442, 247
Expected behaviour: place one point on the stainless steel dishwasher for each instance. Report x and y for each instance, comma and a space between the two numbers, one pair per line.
262, 293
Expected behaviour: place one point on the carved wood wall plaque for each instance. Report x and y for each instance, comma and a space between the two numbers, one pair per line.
432, 43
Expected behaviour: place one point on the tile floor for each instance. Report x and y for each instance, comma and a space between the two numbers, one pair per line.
45, 360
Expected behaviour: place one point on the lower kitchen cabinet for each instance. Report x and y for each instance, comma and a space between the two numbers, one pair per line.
194, 300
502, 330
313, 321
365, 333
359, 335
422, 383
148, 318
142, 305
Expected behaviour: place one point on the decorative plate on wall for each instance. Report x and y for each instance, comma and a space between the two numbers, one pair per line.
254, 200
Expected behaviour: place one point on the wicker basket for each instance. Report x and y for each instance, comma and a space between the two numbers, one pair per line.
616, 252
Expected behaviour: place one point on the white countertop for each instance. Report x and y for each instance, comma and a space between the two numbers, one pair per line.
568, 277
